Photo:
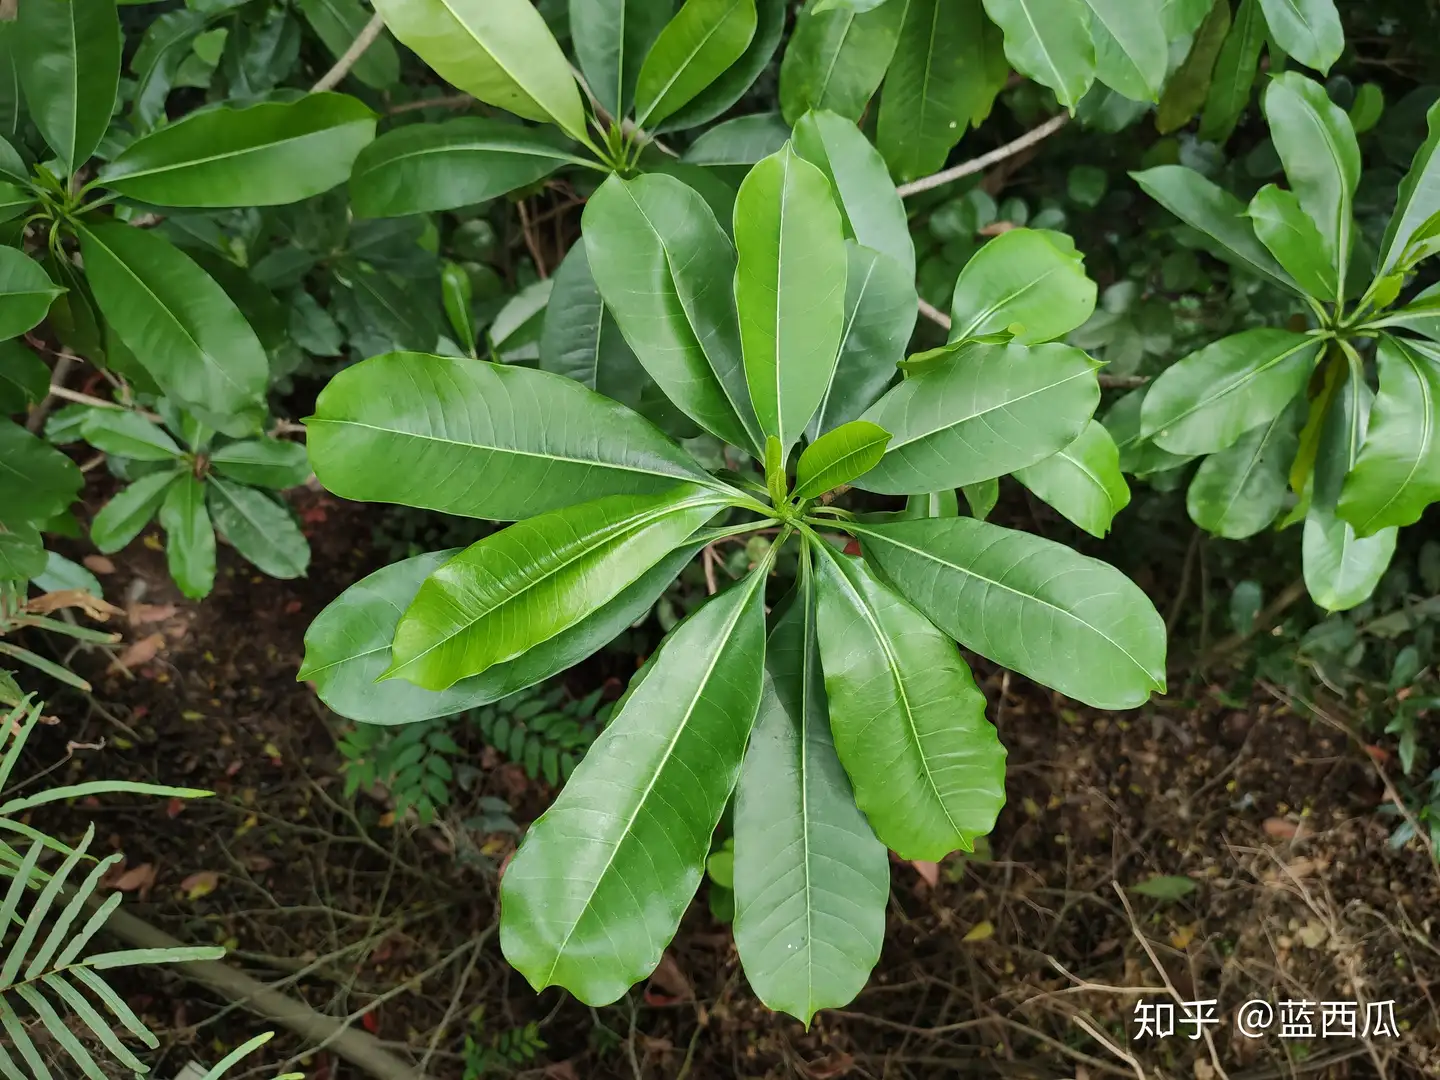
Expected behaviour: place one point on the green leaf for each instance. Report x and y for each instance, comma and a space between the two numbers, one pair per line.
1215, 212
1067, 621
121, 519
338, 23
979, 498
789, 290
167, 43
1165, 887
180, 324
266, 155
591, 899
26, 292
128, 434
1187, 90
37, 481
668, 282
836, 59
1237, 492
880, 313
1322, 159
1234, 74
347, 647
1206, 401
481, 440
1367, 108
1308, 30
1342, 569
870, 209
189, 536
703, 39
1024, 283
14, 200
949, 65
1083, 481
1048, 41
22, 556
985, 411
1418, 199
457, 297
741, 141
1293, 238
611, 38
908, 721
523, 585
425, 167
500, 51
811, 880
67, 54
1130, 46
838, 456
1397, 473
259, 528
60, 573
24, 377
736, 80
268, 463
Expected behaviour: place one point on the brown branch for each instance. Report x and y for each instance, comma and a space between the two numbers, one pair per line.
352, 55
450, 101
984, 161
56, 390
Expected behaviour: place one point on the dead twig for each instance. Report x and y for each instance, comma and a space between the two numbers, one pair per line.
984, 161
352, 55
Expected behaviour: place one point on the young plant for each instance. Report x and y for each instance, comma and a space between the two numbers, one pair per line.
1275, 407
847, 724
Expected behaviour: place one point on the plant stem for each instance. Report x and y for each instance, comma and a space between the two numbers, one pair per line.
984, 161
351, 57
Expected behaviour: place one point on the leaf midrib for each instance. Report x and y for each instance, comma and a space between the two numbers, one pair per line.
1423, 449
658, 99
1240, 380
896, 445
192, 163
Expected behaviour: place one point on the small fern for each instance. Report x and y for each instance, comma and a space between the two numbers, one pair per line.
412, 762
501, 1052
542, 729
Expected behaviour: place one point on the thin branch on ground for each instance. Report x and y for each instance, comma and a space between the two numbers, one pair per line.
357, 48
984, 161
1108, 1044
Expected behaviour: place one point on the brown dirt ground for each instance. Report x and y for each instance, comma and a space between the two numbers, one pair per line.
1027, 964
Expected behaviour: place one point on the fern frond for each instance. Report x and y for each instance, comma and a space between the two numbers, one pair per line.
10, 970
15, 728
99, 787
59, 1031
20, 1039
94, 1021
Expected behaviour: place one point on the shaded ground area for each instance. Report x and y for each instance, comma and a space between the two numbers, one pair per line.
1275, 881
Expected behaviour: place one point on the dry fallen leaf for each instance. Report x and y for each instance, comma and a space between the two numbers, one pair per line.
1182, 937
1280, 828
669, 978
92, 605
141, 652
201, 884
140, 614
135, 878
981, 931
928, 871
98, 564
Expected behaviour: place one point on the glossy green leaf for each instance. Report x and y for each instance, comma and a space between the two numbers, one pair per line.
180, 324
67, 54
1206, 401
980, 498
789, 290
611, 38
22, 555
985, 411
481, 440
1418, 199
880, 313
1234, 74
347, 647
1188, 88
121, 519
1048, 41
1130, 46
14, 200
60, 573
733, 83
1237, 492
1215, 212
262, 530
37, 481
811, 880
127, 434
425, 167
168, 42
338, 23
599, 884
1292, 236
870, 209
457, 297
523, 585
1322, 159
189, 536
1397, 472
1421, 315
26, 292
908, 721
949, 65
836, 59
703, 39
1024, 283
265, 155
1340, 568
24, 377
668, 282
1083, 481
268, 463
1040, 608
838, 456
741, 141
1308, 30
500, 51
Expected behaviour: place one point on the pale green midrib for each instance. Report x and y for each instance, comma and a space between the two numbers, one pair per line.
191, 163
834, 57
885, 538
1024, 6
722, 641
893, 666
1342, 203
894, 445
1250, 467
810, 489
681, 68
806, 641
223, 487
1428, 430
1008, 298
474, 146
779, 292
844, 339
1240, 380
